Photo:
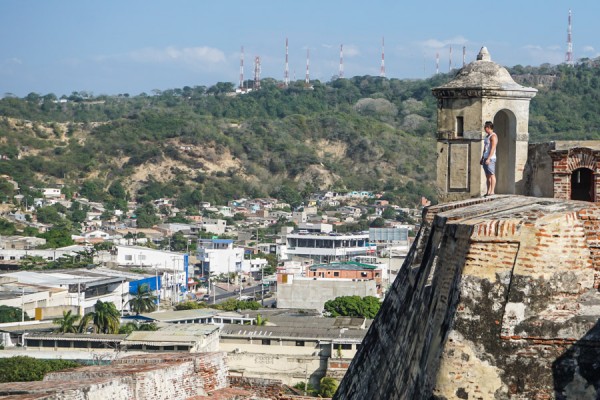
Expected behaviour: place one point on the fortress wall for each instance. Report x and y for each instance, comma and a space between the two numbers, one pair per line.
154, 376
497, 299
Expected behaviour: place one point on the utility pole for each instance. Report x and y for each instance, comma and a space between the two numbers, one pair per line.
157, 288
23, 304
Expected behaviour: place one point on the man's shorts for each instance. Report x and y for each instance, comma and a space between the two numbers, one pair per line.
490, 169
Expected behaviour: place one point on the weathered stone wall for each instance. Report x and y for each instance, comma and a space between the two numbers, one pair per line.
156, 376
498, 299
538, 170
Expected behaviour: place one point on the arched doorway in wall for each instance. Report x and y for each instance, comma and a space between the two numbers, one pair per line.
582, 180
505, 126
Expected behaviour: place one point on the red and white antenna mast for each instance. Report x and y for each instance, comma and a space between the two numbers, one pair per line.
242, 70
341, 72
569, 55
450, 60
382, 69
286, 74
257, 73
437, 63
307, 78
464, 55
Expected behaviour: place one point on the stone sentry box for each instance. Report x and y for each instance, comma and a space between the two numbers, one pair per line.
481, 91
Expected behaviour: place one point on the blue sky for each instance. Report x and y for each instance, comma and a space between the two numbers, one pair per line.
134, 46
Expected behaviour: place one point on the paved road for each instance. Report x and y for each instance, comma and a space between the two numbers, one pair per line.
222, 294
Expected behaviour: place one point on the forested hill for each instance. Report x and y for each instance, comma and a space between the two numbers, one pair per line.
209, 144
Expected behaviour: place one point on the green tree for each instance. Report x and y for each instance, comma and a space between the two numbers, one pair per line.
353, 306
189, 305
105, 318
260, 320
328, 386
93, 190
132, 326
27, 369
67, 324
232, 304
146, 216
377, 223
11, 314
7, 228
389, 213
32, 262
58, 236
306, 389
48, 215
143, 300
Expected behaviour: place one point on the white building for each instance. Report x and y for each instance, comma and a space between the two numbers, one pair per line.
45, 294
51, 192
216, 226
255, 266
326, 247
219, 256
174, 268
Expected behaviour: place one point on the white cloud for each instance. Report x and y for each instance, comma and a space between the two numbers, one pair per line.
188, 55
206, 57
441, 43
351, 51
540, 55
589, 49
9, 64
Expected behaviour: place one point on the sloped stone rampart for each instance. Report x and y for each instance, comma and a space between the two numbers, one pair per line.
497, 299
153, 376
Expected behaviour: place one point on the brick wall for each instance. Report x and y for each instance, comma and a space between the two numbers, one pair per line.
152, 376
496, 299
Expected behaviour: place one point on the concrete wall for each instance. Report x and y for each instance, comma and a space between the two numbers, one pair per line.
497, 299
314, 292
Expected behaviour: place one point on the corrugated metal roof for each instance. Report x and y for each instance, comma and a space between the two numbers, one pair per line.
89, 337
180, 315
44, 326
182, 333
286, 332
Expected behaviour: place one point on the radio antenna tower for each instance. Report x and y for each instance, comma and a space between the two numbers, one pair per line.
257, 73
464, 55
242, 70
341, 73
382, 69
450, 60
286, 74
437, 63
307, 78
569, 55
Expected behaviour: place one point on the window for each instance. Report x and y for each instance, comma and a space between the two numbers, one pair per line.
460, 126
346, 346
266, 342
336, 273
300, 343
128, 257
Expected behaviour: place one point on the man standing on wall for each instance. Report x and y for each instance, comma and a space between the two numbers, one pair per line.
488, 159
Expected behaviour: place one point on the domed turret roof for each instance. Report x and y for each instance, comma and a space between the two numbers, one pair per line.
484, 74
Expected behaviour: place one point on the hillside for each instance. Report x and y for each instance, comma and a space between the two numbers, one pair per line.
207, 144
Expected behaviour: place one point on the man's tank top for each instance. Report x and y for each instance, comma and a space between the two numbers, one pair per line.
487, 144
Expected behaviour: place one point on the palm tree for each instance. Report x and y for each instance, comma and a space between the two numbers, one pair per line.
105, 318
143, 301
66, 324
